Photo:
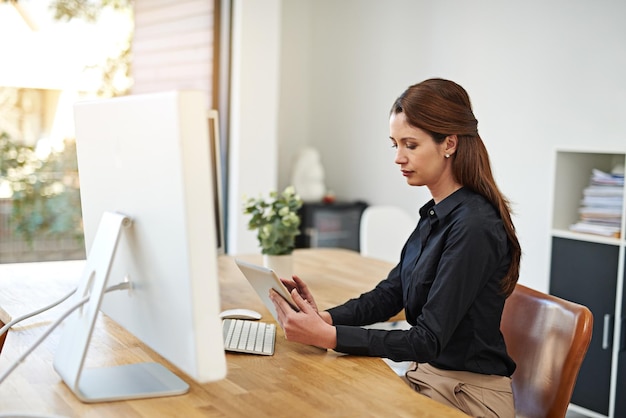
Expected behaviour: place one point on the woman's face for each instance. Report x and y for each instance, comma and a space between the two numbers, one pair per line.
421, 160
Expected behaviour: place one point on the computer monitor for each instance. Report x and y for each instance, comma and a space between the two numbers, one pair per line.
147, 159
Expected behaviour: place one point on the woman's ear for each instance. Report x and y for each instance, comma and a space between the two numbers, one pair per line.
451, 142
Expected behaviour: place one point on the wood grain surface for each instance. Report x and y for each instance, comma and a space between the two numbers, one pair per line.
298, 380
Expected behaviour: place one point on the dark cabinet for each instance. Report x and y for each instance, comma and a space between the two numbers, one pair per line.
586, 273
334, 224
620, 390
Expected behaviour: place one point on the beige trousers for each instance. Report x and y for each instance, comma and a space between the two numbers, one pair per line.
477, 395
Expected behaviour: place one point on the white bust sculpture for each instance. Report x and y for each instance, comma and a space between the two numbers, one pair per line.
308, 175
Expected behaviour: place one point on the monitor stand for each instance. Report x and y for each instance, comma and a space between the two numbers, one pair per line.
132, 381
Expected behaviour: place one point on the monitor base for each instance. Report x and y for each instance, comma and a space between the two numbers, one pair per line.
131, 381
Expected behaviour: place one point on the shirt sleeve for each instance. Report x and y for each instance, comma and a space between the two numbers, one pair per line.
377, 305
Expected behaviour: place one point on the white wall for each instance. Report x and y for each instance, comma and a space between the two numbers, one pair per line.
253, 156
295, 95
541, 75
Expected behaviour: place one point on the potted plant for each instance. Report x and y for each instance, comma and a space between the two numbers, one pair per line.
277, 223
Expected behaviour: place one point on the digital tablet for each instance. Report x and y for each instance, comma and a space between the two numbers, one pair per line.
262, 280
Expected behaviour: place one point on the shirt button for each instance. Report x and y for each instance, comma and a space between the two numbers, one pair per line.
432, 212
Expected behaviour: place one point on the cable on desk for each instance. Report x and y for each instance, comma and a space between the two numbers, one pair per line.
119, 286
37, 312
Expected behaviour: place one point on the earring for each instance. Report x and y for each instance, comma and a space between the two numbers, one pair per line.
447, 155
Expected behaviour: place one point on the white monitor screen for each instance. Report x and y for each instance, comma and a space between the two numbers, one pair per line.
148, 157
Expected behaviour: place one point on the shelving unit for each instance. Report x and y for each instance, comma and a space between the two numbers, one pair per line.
589, 269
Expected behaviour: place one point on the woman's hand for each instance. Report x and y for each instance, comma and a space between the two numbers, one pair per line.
305, 326
297, 283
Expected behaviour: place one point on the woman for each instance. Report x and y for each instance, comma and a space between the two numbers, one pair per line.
455, 270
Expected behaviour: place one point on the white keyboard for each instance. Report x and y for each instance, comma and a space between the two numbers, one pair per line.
245, 336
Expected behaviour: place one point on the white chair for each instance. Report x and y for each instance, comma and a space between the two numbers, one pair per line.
383, 232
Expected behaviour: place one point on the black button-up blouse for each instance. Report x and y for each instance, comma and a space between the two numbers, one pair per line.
448, 283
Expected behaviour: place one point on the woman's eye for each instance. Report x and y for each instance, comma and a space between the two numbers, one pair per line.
407, 145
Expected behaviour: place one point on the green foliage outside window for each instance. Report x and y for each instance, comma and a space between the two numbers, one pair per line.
45, 191
46, 197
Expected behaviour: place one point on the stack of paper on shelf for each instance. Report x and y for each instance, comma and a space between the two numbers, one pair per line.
602, 205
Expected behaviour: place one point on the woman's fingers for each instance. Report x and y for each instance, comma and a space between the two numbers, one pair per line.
279, 304
301, 302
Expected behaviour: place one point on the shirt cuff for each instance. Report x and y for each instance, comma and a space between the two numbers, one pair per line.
352, 340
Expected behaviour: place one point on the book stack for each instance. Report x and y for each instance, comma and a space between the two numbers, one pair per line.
602, 205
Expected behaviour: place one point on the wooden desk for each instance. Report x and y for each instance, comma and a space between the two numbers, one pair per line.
298, 380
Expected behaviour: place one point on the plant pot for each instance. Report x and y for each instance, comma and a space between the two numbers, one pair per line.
281, 264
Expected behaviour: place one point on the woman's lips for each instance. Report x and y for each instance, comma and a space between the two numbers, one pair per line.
406, 173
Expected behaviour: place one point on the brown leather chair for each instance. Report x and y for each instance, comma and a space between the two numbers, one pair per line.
4, 317
548, 338
2, 338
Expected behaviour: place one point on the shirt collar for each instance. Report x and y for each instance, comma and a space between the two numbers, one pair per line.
443, 208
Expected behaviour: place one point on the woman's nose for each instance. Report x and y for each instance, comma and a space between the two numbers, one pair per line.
400, 158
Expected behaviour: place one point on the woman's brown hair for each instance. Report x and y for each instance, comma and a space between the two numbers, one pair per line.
442, 108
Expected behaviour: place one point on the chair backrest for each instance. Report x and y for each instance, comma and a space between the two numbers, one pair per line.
383, 232
548, 338
3, 336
